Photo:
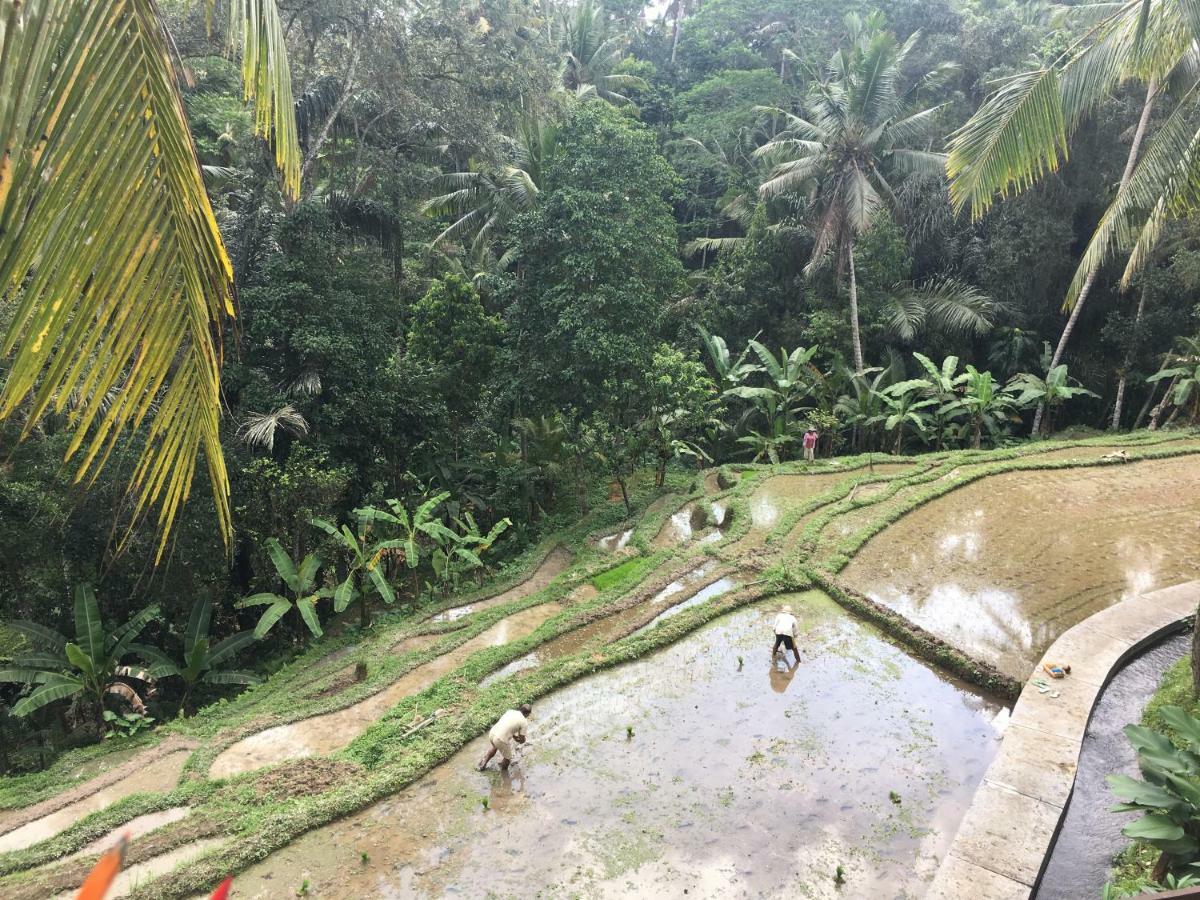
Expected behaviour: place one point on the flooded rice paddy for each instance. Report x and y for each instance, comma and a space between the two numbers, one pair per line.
160, 775
607, 629
1004, 565
704, 522
140, 873
706, 767
325, 734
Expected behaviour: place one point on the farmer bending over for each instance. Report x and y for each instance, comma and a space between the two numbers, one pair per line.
785, 633
511, 727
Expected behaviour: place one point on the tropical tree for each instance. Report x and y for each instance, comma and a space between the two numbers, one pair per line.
855, 140
1050, 392
1024, 129
1184, 372
112, 271
543, 455
201, 657
590, 54
989, 408
301, 582
945, 306
88, 668
482, 201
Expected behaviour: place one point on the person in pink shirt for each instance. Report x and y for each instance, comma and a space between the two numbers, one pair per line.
810, 445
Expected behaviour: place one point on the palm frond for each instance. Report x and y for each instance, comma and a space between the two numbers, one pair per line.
114, 267
256, 28
260, 429
1163, 184
1017, 136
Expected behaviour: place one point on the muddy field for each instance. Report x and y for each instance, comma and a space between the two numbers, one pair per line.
705, 767
1004, 565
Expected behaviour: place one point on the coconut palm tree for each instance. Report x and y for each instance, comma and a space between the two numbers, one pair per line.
111, 265
858, 136
590, 54
1024, 129
482, 201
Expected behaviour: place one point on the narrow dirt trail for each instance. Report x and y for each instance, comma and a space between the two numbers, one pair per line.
320, 735
160, 775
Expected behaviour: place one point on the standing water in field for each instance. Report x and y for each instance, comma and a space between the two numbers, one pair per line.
1004, 565
555, 563
705, 766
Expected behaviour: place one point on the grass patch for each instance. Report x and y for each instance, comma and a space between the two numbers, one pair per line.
626, 574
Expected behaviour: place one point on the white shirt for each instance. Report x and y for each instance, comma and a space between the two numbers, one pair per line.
510, 724
785, 623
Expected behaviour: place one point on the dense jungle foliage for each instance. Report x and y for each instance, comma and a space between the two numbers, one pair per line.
542, 250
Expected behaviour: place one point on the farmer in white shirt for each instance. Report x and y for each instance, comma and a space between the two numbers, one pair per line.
785, 633
511, 727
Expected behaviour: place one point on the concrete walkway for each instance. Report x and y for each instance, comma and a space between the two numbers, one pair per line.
1010, 825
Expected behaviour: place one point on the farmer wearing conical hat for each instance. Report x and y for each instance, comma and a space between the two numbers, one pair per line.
786, 633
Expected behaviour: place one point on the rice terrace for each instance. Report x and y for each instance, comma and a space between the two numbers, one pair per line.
740, 448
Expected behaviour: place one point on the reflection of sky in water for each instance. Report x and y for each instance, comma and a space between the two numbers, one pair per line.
764, 512
989, 616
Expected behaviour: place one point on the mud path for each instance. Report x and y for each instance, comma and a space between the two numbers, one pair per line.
321, 735
1002, 566
741, 776
158, 776
557, 562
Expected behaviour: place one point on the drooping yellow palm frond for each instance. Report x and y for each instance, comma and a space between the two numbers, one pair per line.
256, 29
109, 253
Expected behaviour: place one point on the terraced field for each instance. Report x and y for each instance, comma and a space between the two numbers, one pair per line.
668, 749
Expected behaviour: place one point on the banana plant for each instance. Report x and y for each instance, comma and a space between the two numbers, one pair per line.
1184, 388
861, 407
464, 551
88, 668
988, 408
301, 582
201, 657
940, 383
1052, 392
366, 550
904, 410
1169, 795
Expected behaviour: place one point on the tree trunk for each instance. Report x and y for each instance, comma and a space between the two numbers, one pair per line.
977, 439
1131, 160
1145, 410
315, 148
1118, 405
625, 495
675, 31
1162, 404
364, 618
854, 333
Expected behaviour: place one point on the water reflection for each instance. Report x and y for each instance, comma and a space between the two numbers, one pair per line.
1002, 566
